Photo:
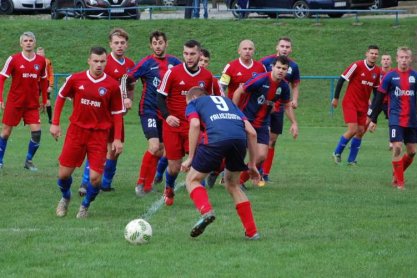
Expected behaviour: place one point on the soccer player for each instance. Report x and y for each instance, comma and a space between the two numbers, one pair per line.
283, 48
171, 102
23, 98
401, 86
205, 62
50, 72
386, 62
117, 65
363, 77
226, 134
97, 106
150, 70
265, 91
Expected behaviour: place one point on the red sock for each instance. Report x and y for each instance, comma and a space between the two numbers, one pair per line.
144, 169
201, 200
398, 169
244, 176
244, 211
153, 162
268, 161
407, 160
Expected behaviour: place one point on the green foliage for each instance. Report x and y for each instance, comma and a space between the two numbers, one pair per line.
315, 218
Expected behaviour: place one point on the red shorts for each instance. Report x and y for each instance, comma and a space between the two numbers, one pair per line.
111, 133
80, 142
354, 116
13, 115
175, 142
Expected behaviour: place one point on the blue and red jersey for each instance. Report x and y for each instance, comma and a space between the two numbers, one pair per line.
263, 94
219, 118
151, 70
401, 88
293, 73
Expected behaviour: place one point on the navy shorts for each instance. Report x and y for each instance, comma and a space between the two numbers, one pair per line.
277, 120
262, 135
151, 126
402, 134
209, 157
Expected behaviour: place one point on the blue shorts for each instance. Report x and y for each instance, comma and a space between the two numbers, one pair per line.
402, 134
209, 157
277, 120
262, 135
151, 126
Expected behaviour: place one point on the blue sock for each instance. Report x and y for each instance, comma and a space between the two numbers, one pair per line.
92, 193
203, 182
3, 145
109, 172
162, 165
341, 145
170, 180
32, 148
65, 187
354, 149
86, 174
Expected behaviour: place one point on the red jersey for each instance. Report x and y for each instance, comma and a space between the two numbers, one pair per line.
116, 68
24, 90
235, 74
94, 100
362, 79
175, 85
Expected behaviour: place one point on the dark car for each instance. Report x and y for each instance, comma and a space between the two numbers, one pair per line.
117, 9
380, 4
300, 5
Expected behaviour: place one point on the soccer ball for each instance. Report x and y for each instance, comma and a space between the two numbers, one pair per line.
138, 231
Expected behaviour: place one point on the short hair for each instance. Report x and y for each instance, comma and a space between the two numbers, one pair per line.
98, 50
282, 59
205, 52
27, 34
373, 46
196, 92
118, 32
156, 35
192, 44
287, 39
405, 49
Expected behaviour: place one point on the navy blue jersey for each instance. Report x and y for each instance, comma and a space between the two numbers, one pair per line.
151, 70
401, 88
293, 74
219, 118
263, 93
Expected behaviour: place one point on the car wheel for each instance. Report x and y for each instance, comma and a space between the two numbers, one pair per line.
299, 6
6, 7
54, 13
336, 15
376, 5
234, 5
79, 10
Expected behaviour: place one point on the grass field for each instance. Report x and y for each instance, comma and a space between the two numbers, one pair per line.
316, 219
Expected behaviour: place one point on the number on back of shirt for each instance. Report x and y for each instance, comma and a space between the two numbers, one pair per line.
151, 123
220, 103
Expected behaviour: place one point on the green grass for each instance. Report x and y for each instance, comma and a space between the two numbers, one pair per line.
316, 219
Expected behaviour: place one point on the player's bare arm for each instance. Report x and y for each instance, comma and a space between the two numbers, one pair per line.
295, 93
55, 131
289, 112
237, 94
193, 135
252, 147
117, 146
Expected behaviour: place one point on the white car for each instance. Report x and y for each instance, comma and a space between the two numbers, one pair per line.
9, 6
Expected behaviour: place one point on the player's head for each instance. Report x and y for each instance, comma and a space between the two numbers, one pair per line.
280, 67
386, 61
284, 46
246, 50
204, 58
404, 58
195, 92
28, 41
118, 39
97, 60
372, 54
191, 54
40, 51
158, 43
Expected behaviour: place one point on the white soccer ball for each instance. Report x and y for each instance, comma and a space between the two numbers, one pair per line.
138, 231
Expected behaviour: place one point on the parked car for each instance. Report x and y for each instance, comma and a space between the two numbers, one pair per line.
9, 6
162, 2
380, 4
117, 8
300, 5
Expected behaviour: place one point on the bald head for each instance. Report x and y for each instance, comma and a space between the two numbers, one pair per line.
246, 50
